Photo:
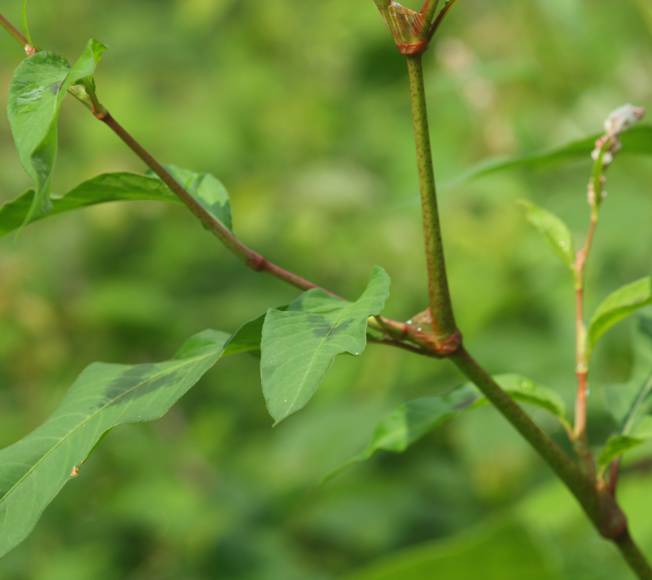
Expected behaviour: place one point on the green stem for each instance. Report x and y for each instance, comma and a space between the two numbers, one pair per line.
567, 470
598, 504
443, 319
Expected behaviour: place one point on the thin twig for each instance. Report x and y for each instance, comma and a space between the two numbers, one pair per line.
254, 260
595, 195
18, 35
440, 18
428, 11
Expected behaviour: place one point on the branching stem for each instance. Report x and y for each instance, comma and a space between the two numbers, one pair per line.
398, 334
599, 505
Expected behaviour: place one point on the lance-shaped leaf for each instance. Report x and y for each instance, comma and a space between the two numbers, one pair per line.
637, 141
618, 306
300, 343
35, 469
554, 230
36, 92
111, 187
414, 419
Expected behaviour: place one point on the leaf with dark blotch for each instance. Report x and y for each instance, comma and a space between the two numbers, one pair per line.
300, 343
207, 190
35, 469
36, 93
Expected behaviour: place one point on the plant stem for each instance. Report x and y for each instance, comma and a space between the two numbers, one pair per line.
634, 557
599, 504
447, 336
429, 10
17, 34
567, 470
440, 17
397, 331
596, 191
252, 258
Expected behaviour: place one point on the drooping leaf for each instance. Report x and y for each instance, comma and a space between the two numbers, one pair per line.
300, 343
414, 419
35, 469
111, 187
36, 92
637, 141
617, 306
101, 189
554, 229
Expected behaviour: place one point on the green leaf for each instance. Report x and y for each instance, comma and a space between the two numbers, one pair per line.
637, 140
36, 92
300, 343
618, 445
497, 551
618, 306
554, 229
527, 391
35, 469
414, 419
101, 189
207, 190
111, 187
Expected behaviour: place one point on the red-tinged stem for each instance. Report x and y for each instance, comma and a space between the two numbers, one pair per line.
18, 35
440, 18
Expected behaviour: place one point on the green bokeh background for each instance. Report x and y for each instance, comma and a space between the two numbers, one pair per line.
300, 107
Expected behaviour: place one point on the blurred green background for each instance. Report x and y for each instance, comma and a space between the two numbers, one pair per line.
301, 109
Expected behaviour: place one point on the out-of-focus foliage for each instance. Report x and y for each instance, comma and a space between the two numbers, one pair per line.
300, 108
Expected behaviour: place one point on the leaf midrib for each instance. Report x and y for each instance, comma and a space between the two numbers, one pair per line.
92, 416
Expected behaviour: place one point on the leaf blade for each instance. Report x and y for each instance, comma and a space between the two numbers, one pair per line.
636, 141
34, 469
300, 343
120, 186
36, 93
414, 419
553, 229
617, 307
